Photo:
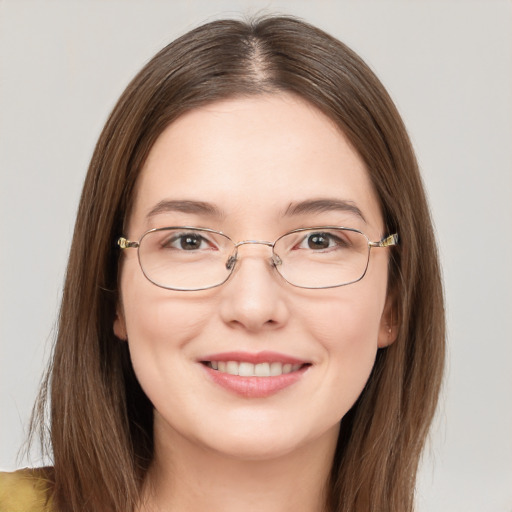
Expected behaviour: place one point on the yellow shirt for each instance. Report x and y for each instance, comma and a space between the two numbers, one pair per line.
25, 490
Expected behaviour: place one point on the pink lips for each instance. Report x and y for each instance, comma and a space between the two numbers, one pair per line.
255, 386
259, 357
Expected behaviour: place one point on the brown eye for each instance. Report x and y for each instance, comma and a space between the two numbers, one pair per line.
190, 242
321, 241
187, 242
318, 241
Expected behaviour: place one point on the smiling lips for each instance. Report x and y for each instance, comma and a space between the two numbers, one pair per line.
246, 369
254, 375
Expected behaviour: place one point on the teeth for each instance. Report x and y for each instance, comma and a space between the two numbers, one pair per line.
232, 367
276, 369
262, 369
244, 369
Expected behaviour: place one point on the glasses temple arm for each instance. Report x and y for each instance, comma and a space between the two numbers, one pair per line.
124, 243
386, 242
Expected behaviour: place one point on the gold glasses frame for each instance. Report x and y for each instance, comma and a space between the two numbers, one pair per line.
387, 241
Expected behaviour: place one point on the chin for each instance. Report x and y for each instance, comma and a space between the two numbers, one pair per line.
255, 449
268, 442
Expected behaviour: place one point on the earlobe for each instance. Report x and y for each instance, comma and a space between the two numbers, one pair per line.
120, 325
388, 329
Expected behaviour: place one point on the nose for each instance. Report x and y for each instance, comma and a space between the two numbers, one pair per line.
254, 298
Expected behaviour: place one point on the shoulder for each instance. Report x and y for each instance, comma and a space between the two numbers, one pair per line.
26, 490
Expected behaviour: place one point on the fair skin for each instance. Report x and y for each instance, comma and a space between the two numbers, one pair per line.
215, 448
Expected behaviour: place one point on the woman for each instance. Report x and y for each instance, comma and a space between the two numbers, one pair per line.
252, 315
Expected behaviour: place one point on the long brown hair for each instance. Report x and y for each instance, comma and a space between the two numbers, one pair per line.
100, 419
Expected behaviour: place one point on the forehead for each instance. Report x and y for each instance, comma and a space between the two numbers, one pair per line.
253, 158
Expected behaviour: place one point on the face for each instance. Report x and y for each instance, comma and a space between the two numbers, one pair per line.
253, 161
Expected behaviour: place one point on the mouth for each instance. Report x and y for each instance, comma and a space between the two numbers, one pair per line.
248, 369
254, 375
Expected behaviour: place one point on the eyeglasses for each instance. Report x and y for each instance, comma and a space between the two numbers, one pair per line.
188, 258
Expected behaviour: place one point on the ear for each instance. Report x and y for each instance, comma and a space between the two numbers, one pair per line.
120, 324
388, 329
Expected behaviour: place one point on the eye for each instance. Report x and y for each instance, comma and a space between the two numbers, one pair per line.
188, 242
320, 241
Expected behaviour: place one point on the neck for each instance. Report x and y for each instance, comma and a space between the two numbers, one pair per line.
186, 477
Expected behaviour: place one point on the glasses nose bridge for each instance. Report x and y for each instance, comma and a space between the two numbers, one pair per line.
254, 242
273, 258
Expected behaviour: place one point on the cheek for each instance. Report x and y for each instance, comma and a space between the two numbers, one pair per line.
159, 325
344, 321
346, 327
154, 315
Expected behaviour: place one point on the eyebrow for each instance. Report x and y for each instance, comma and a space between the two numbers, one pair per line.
185, 206
323, 205
294, 209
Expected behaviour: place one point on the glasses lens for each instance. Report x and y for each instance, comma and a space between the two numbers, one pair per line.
322, 258
185, 259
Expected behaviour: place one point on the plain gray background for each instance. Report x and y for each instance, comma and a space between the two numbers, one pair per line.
448, 66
